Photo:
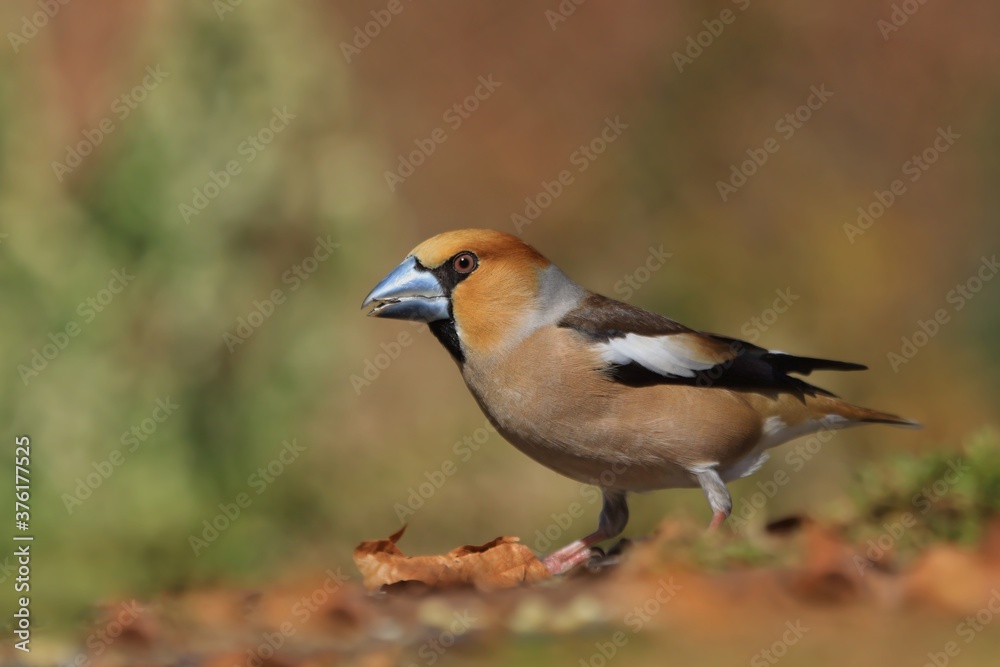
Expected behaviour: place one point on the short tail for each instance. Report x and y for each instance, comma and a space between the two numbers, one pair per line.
788, 363
867, 416
831, 406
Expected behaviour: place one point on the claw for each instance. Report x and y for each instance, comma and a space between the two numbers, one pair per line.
565, 559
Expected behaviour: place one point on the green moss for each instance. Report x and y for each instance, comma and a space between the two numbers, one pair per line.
941, 495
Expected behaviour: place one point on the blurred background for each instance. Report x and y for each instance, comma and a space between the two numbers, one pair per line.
196, 196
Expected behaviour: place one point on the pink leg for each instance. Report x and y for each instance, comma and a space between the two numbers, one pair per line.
717, 518
573, 554
614, 516
717, 495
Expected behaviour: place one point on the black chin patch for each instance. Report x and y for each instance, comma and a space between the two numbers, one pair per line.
444, 331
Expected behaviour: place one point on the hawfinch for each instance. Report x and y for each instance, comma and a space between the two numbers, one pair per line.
600, 391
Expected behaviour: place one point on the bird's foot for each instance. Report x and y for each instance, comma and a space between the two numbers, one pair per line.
565, 559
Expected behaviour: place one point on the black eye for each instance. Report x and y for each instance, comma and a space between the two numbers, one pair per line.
464, 262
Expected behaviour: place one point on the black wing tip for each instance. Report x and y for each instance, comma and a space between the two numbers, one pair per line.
845, 366
790, 363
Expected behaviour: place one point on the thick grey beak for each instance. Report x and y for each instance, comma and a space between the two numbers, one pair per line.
408, 293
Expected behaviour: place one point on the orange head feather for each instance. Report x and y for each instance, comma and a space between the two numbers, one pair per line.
499, 293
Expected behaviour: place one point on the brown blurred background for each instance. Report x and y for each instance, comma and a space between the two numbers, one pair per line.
227, 69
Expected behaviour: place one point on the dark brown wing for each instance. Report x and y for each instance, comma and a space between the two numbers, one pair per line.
643, 348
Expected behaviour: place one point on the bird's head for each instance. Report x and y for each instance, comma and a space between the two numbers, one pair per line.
472, 285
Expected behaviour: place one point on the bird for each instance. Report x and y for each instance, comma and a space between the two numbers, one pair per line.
601, 391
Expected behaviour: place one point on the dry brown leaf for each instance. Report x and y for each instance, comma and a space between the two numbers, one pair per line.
501, 563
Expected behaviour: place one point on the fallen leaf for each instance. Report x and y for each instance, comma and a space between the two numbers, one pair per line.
501, 563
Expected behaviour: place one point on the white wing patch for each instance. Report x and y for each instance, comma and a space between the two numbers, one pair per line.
661, 354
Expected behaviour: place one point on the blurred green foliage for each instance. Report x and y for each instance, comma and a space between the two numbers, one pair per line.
952, 494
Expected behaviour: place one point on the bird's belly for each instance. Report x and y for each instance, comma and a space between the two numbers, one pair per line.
548, 400
610, 444
579, 461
